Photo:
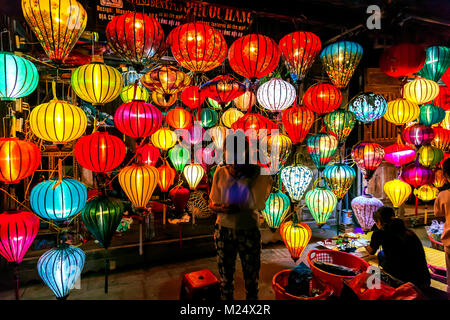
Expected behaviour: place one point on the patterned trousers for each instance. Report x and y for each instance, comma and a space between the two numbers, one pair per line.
247, 243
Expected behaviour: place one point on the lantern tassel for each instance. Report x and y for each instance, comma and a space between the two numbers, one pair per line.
60, 174
54, 90
417, 204
141, 250
106, 270
16, 279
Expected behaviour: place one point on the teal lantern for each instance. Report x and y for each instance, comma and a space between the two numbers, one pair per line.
18, 77
431, 114
339, 178
208, 117
321, 203
437, 62
341, 123
321, 147
276, 210
368, 107
179, 157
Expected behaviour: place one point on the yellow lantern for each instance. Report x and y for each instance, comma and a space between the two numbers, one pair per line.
439, 178
426, 193
193, 174
231, 116
279, 147
166, 79
245, 101
218, 135
401, 111
429, 156
296, 237
164, 139
139, 181
420, 90
160, 99
57, 24
132, 92
446, 122
96, 82
397, 191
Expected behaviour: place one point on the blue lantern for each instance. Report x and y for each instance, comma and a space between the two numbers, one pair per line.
368, 107
296, 179
60, 268
431, 114
58, 203
276, 210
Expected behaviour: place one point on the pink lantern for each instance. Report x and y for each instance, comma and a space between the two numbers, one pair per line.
399, 154
364, 206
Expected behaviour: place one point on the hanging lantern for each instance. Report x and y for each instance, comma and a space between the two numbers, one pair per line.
179, 118
193, 174
402, 60
253, 56
296, 237
208, 117
17, 232
197, 46
429, 156
439, 178
368, 107
193, 97
443, 98
164, 139
340, 60
446, 122
57, 24
426, 192
102, 216
166, 177
179, 156
397, 191
60, 268
96, 82
58, 201
420, 91
231, 116
368, 157
296, 179
297, 121
18, 159
99, 152
160, 99
253, 121
215, 105
138, 119
322, 98
341, 123
180, 198
364, 207
223, 89
279, 147
321, 203
339, 178
135, 37
299, 49
401, 111
399, 154
19, 77
166, 80
132, 92
205, 156
276, 95
149, 154
446, 77
276, 209
139, 181
417, 175
437, 62
218, 135
245, 101
321, 147
441, 139
196, 134
430, 114
418, 134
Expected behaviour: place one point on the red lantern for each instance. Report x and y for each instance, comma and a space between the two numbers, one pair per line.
297, 121
179, 118
399, 154
138, 119
149, 154
166, 177
402, 60
17, 232
18, 159
223, 89
253, 121
368, 157
418, 134
180, 198
446, 77
99, 152
322, 98
166, 80
193, 97
441, 139
197, 46
443, 98
417, 175
254, 56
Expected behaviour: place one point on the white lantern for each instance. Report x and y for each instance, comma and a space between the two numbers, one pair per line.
193, 174
364, 206
276, 95
296, 179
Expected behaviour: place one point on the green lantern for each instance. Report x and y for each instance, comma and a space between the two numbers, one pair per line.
179, 156
339, 178
429, 156
18, 77
321, 147
321, 203
341, 123
431, 114
215, 105
276, 210
208, 117
438, 60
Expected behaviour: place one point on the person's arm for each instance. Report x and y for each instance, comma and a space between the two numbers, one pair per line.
438, 212
375, 242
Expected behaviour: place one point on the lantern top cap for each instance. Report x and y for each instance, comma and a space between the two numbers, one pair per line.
97, 59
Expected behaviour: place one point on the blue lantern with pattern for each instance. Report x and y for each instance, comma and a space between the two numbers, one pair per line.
368, 107
296, 179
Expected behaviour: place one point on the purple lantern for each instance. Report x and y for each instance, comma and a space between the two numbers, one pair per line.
399, 154
417, 175
418, 134
196, 134
364, 206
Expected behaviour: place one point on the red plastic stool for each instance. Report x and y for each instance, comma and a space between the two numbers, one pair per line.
200, 285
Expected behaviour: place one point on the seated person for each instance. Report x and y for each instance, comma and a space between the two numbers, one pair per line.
403, 256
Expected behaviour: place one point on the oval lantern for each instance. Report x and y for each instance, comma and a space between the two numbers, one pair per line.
166, 177
296, 179
439, 178
18, 159
276, 95
149, 154
368, 107
417, 175
321, 147
277, 148
297, 121
426, 192
180, 197
164, 139
401, 111
420, 90
296, 237
253, 121
138, 119
437, 62
166, 80
231, 116
276, 209
208, 117
19, 77
193, 97
245, 101
179, 118
58, 201
215, 105
368, 157
223, 89
322, 98
431, 114
164, 100
193, 174
397, 191
364, 206
339, 178
402, 60
321, 203
340, 60
218, 135
429, 156
196, 134
132, 92
441, 139
399, 154
179, 157
418, 134
341, 123
139, 181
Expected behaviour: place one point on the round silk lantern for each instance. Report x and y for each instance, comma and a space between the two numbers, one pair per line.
57, 24
276, 209
297, 121
18, 159
441, 139
179, 118
339, 178
276, 95
253, 56
193, 174
401, 111
179, 156
231, 116
437, 62
368, 107
368, 157
218, 135
278, 145
426, 192
417, 175
340, 60
245, 101
418, 134
321, 203
17, 232
166, 80
180, 198
58, 201
322, 98
402, 60
321, 147
166, 177
164, 139
164, 100
439, 178
193, 97
60, 268
420, 90
296, 179
446, 122
149, 154
208, 117
430, 114
223, 89
215, 105
253, 121
341, 123
429, 156
19, 77
299, 49
296, 237
132, 92
139, 181
364, 206
138, 119
196, 134
397, 191
399, 154
197, 46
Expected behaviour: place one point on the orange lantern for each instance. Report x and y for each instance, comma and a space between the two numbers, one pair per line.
296, 237
166, 177
245, 101
166, 80
139, 181
179, 118
160, 99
